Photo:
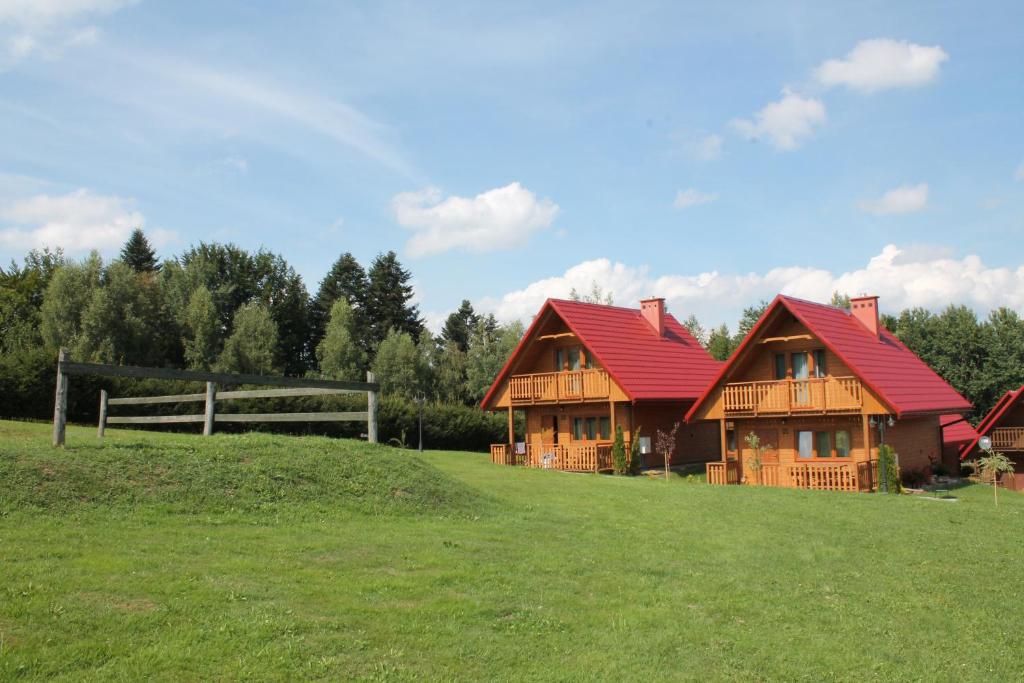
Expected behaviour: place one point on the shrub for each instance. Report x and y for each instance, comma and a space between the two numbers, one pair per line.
619, 452
888, 470
634, 453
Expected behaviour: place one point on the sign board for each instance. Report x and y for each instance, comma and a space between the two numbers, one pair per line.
645, 444
520, 447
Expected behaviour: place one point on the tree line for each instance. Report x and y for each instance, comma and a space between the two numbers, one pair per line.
220, 307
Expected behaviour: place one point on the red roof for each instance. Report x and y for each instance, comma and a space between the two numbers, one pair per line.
647, 367
956, 430
899, 378
1005, 402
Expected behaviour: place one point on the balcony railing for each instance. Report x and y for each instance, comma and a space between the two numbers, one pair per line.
794, 396
1008, 439
555, 387
576, 457
820, 476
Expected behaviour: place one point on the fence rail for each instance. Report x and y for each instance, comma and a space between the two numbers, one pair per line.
290, 387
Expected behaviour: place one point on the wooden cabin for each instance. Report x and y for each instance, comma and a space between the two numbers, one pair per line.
1004, 425
823, 387
583, 369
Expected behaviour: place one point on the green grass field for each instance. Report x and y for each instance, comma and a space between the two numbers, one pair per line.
174, 557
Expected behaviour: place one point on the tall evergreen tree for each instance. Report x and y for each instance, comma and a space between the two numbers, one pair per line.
490, 346
398, 365
840, 300
749, 318
339, 355
138, 253
459, 324
388, 299
720, 342
345, 280
202, 329
693, 326
252, 346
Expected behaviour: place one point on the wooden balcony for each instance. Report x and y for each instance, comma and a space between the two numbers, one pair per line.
560, 387
818, 476
1007, 439
575, 457
815, 396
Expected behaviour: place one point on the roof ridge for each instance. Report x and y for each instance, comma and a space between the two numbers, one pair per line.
817, 303
590, 303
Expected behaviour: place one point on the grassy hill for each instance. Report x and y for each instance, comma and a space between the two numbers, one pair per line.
176, 557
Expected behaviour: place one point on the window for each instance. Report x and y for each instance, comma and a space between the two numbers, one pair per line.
730, 440
591, 428
819, 363
589, 360
780, 366
805, 444
823, 444
574, 358
799, 365
559, 360
843, 444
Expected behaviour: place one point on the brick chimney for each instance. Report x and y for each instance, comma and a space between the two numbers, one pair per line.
653, 311
865, 310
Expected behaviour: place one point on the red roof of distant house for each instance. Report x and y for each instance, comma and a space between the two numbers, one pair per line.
1005, 402
956, 430
647, 367
899, 378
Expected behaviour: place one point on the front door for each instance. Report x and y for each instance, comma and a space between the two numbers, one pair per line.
549, 429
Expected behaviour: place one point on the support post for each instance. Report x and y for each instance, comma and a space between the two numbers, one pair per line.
211, 400
371, 411
102, 426
511, 429
60, 403
725, 443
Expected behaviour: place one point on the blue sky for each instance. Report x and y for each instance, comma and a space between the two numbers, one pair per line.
712, 154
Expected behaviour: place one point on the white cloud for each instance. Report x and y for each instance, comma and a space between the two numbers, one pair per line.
78, 222
48, 27
882, 63
501, 218
692, 197
901, 276
708, 148
903, 199
784, 123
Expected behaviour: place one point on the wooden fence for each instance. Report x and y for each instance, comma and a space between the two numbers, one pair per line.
291, 386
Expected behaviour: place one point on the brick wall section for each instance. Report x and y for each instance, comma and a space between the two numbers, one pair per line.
917, 441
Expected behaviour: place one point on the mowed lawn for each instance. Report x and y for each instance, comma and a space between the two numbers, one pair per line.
156, 556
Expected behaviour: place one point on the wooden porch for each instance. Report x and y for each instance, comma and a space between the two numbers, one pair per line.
560, 387
818, 476
1007, 439
583, 457
815, 396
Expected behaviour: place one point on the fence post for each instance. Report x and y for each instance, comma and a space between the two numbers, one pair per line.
103, 414
60, 403
371, 410
211, 399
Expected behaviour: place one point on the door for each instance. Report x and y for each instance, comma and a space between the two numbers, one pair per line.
549, 430
801, 371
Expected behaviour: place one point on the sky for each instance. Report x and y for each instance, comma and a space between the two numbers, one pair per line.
712, 154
